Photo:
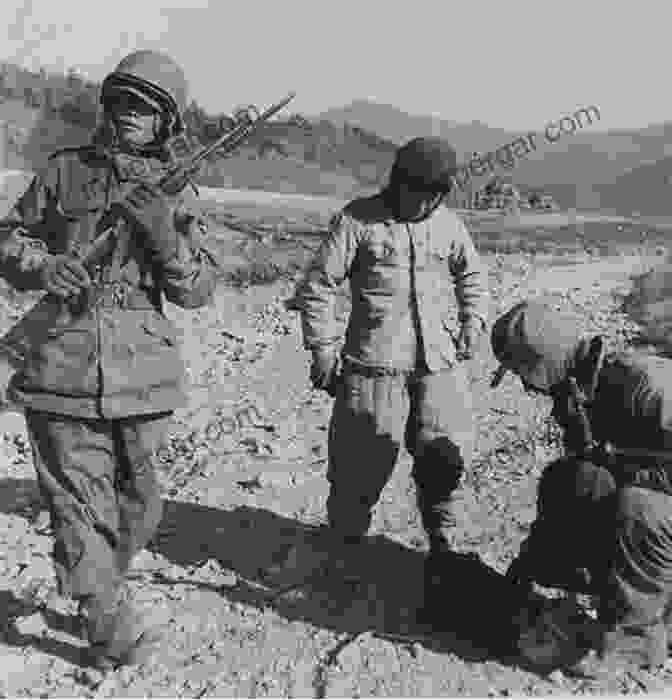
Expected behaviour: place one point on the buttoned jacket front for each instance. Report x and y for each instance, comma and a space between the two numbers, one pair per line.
397, 274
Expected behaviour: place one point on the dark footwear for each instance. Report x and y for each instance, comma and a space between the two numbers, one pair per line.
555, 634
526, 569
624, 647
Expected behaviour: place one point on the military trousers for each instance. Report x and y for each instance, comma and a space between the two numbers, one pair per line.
373, 415
99, 480
620, 534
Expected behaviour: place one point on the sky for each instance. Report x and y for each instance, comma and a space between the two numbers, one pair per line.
516, 65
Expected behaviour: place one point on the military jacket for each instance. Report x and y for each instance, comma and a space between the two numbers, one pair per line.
120, 357
396, 271
633, 402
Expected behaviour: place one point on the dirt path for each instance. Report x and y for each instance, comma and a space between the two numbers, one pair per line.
236, 500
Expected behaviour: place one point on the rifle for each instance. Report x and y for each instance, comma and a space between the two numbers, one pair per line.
247, 121
175, 180
15, 342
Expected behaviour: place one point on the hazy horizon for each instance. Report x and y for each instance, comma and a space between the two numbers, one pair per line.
520, 69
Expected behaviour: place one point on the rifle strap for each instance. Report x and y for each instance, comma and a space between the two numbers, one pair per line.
582, 384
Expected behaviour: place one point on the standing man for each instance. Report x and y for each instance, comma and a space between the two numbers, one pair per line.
103, 372
604, 521
398, 379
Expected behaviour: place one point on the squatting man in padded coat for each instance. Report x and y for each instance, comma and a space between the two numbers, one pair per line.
103, 371
604, 523
397, 377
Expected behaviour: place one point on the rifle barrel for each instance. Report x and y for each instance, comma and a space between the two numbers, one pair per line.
241, 131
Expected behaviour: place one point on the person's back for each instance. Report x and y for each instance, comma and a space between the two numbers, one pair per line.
615, 480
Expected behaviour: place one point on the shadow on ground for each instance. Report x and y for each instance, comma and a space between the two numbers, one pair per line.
377, 588
376, 591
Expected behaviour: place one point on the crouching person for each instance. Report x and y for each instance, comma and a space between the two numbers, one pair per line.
398, 378
604, 521
103, 372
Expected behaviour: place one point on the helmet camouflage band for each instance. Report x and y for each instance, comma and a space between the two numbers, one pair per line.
152, 76
425, 163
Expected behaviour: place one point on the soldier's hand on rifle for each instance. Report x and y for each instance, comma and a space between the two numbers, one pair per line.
64, 276
147, 209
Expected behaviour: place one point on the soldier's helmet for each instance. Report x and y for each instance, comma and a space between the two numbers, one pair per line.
536, 342
154, 77
425, 163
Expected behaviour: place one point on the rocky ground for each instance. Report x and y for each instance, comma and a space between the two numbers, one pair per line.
237, 500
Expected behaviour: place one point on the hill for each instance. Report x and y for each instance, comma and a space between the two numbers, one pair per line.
349, 150
645, 189
323, 157
43, 112
572, 169
32, 134
392, 123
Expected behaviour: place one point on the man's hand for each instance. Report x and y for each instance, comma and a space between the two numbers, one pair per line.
64, 276
146, 208
324, 370
471, 332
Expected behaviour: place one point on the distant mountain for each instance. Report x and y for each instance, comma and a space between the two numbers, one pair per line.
571, 169
395, 125
43, 112
646, 189
350, 149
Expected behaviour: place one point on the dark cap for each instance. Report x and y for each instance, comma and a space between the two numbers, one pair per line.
536, 342
425, 162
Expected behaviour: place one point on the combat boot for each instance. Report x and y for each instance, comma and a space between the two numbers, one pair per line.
551, 572
118, 634
624, 646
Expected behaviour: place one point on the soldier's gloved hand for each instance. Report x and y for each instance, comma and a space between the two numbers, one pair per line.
146, 208
64, 276
471, 331
324, 370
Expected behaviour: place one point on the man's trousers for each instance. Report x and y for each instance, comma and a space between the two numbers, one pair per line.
98, 478
620, 534
373, 415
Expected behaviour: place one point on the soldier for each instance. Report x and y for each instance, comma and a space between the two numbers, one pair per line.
604, 521
103, 374
398, 378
